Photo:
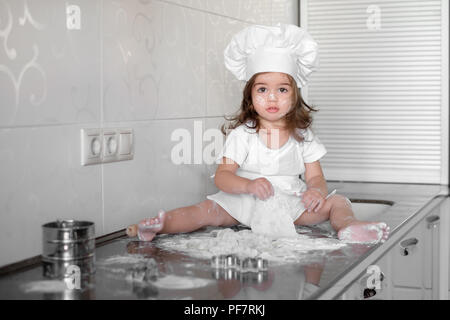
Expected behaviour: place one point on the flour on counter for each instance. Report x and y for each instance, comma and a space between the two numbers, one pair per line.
246, 243
45, 286
122, 259
143, 270
178, 282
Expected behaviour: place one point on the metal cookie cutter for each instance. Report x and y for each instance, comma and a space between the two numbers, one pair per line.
229, 267
225, 262
253, 265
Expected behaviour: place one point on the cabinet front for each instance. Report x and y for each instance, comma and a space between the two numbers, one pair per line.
414, 268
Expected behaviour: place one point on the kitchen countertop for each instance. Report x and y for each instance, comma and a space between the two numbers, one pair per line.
146, 271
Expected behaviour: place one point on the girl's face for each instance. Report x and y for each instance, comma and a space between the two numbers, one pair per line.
272, 95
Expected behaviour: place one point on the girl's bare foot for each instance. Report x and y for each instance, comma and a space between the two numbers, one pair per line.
367, 232
147, 229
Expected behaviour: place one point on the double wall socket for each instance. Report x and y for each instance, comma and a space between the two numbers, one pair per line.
106, 145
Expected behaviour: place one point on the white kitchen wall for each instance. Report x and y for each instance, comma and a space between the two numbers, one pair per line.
150, 65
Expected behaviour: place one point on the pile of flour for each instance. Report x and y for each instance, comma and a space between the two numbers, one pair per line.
246, 243
272, 236
274, 216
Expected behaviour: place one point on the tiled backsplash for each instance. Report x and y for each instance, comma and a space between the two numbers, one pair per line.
150, 65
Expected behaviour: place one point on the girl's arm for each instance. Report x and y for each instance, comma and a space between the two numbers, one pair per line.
314, 178
315, 196
228, 181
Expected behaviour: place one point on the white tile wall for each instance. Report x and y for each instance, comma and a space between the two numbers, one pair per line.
41, 180
152, 65
210, 169
253, 11
221, 85
137, 189
48, 74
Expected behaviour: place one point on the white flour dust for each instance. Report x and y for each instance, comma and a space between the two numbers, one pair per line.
178, 282
246, 243
45, 286
122, 259
140, 269
274, 216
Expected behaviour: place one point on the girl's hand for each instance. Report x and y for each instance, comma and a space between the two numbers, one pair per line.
313, 199
260, 188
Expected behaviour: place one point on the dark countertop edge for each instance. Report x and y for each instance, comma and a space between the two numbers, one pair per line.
341, 283
35, 261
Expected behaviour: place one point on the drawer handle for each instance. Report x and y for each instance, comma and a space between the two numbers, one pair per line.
407, 244
432, 221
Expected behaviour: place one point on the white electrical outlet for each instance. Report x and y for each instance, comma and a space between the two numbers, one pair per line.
110, 141
91, 146
106, 145
73, 17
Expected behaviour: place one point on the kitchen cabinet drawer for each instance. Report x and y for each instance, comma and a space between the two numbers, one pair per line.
412, 258
416, 267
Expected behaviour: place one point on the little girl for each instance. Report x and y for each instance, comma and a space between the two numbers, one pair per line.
269, 147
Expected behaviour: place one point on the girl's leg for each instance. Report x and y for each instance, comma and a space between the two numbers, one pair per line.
338, 209
185, 219
349, 228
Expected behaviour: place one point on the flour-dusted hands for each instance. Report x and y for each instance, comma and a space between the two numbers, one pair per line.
313, 199
261, 188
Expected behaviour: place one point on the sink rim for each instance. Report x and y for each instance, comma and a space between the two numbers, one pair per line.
374, 201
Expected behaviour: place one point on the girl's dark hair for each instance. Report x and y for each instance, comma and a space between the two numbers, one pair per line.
299, 117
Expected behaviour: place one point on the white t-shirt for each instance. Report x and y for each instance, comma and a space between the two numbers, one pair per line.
244, 146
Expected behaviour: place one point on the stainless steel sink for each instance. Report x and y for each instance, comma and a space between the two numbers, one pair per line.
370, 210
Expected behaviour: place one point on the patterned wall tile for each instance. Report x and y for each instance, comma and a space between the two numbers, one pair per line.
194, 4
253, 11
224, 91
153, 61
48, 73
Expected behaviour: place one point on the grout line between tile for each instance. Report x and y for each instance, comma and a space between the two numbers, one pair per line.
205, 11
102, 180
205, 112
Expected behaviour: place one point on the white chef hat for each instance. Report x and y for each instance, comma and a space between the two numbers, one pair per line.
281, 48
